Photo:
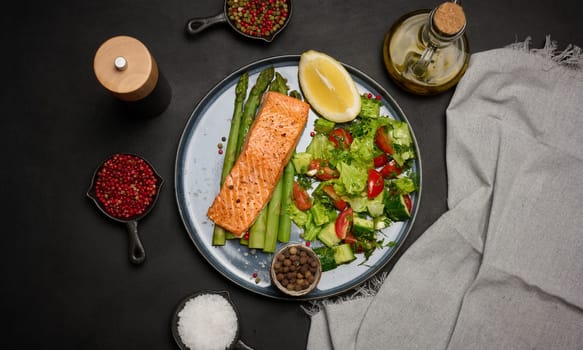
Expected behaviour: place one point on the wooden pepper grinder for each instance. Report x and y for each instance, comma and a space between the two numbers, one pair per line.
125, 67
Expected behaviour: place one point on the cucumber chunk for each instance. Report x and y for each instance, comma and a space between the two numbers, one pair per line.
328, 235
326, 256
343, 254
396, 208
362, 226
331, 257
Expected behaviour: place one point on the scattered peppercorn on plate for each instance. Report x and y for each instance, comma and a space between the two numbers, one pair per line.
199, 163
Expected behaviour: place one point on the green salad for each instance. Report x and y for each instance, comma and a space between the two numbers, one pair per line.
352, 181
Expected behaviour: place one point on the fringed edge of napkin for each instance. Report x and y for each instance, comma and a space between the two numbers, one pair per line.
368, 289
571, 56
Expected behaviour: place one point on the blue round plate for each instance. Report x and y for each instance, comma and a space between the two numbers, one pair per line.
197, 182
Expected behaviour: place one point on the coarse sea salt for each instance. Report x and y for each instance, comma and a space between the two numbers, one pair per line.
207, 322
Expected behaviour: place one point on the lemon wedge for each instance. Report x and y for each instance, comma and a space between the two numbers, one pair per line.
328, 87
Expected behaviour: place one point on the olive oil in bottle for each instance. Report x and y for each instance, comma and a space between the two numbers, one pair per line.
426, 51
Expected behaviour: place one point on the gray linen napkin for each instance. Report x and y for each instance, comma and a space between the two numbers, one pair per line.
503, 267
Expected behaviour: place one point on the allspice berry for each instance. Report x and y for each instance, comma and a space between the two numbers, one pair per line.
295, 269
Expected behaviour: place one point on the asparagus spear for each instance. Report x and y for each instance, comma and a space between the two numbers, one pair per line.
219, 234
296, 94
273, 215
279, 84
249, 110
252, 103
257, 231
284, 230
231, 151
274, 206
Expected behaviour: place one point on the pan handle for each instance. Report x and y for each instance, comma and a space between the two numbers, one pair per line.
239, 345
136, 249
197, 25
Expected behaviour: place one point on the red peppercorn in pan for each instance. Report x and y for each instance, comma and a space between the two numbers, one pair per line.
125, 186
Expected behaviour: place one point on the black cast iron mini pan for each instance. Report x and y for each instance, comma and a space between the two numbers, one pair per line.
196, 25
236, 343
137, 254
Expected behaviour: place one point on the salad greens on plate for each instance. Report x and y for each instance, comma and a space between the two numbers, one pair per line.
353, 180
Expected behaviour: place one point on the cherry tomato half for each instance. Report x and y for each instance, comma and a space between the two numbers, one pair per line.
380, 160
301, 197
383, 140
376, 183
408, 203
322, 169
343, 224
350, 239
339, 203
341, 138
391, 170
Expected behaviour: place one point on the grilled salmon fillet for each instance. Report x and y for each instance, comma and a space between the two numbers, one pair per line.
272, 137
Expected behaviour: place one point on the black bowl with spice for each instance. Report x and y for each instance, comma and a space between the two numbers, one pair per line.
255, 19
125, 188
295, 269
207, 320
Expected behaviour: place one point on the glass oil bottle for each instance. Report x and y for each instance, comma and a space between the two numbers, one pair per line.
426, 52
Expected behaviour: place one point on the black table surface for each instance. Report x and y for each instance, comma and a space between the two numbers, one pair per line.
67, 282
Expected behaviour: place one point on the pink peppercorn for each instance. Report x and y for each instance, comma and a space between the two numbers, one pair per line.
125, 186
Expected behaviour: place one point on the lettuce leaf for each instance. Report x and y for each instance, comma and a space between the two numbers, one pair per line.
353, 177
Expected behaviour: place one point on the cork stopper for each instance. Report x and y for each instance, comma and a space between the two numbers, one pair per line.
125, 67
449, 18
